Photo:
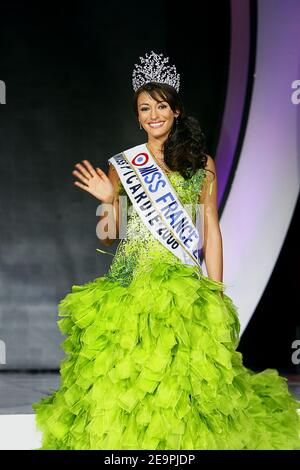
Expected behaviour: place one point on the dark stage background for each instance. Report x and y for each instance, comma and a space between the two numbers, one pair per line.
67, 68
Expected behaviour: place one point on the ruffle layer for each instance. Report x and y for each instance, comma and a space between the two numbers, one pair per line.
154, 366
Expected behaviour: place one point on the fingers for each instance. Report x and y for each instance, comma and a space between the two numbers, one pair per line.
100, 172
83, 170
85, 174
89, 167
82, 186
81, 177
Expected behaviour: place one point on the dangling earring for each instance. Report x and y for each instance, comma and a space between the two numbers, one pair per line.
140, 126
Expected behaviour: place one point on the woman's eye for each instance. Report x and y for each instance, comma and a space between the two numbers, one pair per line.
161, 106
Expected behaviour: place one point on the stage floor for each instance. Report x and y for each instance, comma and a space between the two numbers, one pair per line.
19, 390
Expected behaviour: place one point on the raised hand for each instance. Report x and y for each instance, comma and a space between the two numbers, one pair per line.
95, 182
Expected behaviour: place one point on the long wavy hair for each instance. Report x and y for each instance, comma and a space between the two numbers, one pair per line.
184, 149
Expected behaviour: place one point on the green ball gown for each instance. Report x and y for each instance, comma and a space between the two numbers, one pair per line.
151, 360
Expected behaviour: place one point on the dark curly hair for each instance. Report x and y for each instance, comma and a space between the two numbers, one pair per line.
185, 147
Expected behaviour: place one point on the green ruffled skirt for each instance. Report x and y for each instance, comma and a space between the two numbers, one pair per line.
154, 366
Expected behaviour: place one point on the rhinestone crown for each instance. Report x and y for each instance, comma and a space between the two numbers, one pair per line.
153, 69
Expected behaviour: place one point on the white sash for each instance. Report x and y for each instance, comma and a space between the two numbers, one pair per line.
157, 203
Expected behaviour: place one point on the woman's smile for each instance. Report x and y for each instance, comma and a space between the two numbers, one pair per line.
155, 125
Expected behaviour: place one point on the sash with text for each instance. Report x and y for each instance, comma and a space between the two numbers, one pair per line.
157, 203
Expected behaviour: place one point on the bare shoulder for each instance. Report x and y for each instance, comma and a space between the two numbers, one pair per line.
114, 178
210, 167
210, 164
208, 189
112, 172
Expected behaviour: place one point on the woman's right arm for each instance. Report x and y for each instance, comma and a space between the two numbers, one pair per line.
105, 188
111, 216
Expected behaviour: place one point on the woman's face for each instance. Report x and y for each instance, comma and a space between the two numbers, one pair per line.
156, 117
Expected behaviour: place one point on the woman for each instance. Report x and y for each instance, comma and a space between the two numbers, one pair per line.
151, 357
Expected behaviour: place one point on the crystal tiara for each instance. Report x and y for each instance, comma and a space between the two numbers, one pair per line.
153, 69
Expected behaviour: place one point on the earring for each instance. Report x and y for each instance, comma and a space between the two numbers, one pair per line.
140, 126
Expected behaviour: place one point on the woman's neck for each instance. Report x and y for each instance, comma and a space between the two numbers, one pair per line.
155, 145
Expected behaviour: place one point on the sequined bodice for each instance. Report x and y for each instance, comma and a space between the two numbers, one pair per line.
139, 249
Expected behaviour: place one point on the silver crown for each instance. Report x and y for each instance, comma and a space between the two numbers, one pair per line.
155, 70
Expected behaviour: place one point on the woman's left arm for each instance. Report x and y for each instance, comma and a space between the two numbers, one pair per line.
212, 237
